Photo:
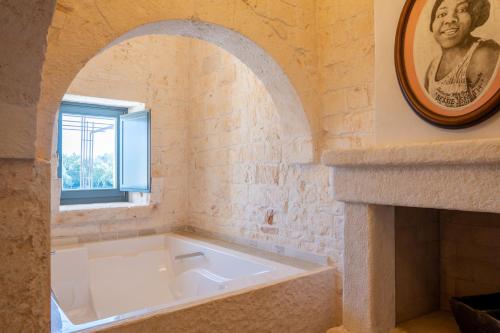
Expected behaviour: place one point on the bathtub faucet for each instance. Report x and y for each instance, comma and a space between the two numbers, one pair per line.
189, 255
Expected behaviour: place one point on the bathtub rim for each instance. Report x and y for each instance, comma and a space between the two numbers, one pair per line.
219, 246
232, 249
142, 315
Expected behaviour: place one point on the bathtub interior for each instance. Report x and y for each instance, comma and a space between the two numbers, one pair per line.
101, 280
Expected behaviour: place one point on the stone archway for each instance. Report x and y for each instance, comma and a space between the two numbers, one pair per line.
296, 131
82, 29
296, 135
78, 30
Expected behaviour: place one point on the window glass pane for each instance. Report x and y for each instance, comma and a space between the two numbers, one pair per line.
88, 152
135, 151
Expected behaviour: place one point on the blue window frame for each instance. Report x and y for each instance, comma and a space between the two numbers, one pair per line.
88, 149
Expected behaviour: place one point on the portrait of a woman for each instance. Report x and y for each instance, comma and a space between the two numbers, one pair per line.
467, 63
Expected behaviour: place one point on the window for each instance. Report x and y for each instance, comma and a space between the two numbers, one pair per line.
103, 153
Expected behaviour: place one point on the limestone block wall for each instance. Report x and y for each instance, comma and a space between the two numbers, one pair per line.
239, 185
217, 154
283, 30
287, 30
150, 70
214, 127
470, 244
346, 53
238, 182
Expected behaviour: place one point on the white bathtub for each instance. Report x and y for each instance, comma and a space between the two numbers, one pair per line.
99, 283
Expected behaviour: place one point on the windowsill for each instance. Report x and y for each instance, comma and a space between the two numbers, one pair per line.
107, 205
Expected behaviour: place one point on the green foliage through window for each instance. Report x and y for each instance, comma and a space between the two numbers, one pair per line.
103, 174
102, 171
71, 171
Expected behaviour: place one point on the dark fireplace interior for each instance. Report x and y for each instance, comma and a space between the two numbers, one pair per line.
440, 254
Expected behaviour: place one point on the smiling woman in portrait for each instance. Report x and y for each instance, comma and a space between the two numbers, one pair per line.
466, 65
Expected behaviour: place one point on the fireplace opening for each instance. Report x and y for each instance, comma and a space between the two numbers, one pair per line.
440, 254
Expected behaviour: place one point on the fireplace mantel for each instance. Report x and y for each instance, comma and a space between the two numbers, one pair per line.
462, 175
438, 153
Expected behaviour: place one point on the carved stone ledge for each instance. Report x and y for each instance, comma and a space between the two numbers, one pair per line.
438, 153
461, 175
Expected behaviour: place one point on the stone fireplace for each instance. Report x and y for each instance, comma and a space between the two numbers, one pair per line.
422, 225
440, 254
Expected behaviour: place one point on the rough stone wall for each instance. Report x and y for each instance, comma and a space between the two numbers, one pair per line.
346, 56
283, 29
239, 185
150, 70
300, 305
24, 181
470, 264
23, 41
211, 113
24, 246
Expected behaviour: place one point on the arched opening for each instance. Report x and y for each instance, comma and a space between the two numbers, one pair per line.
218, 146
294, 123
218, 150
78, 30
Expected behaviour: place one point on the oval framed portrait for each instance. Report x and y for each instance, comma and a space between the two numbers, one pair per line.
447, 60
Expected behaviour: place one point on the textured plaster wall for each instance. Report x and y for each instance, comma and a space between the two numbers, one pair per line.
470, 244
346, 52
417, 262
152, 70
